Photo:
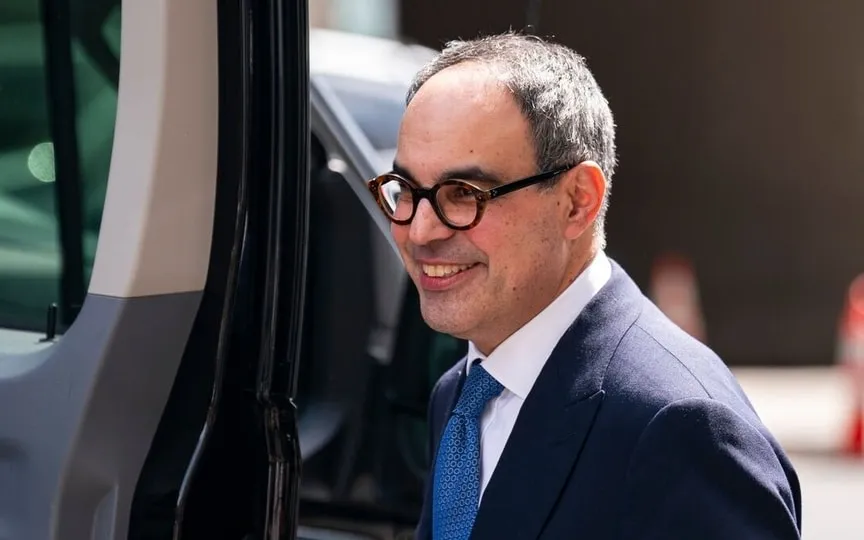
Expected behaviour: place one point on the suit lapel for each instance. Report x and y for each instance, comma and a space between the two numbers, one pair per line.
556, 418
533, 469
451, 386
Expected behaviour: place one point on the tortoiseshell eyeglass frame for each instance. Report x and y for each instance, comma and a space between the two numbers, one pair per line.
482, 196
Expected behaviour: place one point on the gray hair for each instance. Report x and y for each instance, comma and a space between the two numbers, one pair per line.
570, 118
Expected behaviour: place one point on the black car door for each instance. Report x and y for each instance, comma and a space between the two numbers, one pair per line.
153, 214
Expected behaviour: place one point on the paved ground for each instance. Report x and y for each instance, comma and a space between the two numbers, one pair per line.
832, 491
809, 410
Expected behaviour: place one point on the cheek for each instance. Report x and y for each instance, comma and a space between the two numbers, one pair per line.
503, 242
518, 251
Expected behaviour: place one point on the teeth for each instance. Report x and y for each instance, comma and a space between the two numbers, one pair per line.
442, 270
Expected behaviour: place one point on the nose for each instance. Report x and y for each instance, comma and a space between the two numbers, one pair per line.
426, 227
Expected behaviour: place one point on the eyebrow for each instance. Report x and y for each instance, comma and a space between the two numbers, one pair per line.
473, 173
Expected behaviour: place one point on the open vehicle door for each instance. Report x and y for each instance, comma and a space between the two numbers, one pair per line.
159, 404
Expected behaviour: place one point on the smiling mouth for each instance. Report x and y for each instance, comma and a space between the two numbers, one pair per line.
444, 270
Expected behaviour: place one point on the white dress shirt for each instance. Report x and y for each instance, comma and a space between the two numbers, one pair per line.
517, 362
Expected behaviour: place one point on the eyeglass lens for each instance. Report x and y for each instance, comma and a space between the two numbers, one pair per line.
456, 200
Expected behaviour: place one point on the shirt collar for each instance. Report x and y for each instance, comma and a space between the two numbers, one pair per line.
517, 362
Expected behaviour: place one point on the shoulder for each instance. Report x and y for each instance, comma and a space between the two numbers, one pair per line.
691, 433
656, 363
721, 476
704, 428
661, 385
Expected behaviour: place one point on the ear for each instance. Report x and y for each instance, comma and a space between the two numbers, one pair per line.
583, 188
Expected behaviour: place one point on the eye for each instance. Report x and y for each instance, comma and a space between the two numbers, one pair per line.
464, 192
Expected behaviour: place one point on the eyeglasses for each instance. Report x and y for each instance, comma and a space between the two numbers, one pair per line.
457, 203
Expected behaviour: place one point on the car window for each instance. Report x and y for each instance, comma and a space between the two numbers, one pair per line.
32, 260
376, 107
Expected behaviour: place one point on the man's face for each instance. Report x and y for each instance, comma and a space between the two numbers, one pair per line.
484, 283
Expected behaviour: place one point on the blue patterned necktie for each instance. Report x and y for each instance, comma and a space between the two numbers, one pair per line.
457, 467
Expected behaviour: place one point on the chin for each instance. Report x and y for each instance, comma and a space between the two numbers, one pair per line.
444, 319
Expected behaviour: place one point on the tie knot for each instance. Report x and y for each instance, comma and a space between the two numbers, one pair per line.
479, 388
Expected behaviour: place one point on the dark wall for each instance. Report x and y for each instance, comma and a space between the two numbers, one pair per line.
741, 144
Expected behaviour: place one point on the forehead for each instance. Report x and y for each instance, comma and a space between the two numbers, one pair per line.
464, 116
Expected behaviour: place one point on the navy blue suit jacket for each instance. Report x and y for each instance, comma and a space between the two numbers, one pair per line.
633, 430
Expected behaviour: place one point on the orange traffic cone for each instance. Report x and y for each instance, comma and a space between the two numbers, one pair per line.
851, 358
855, 444
674, 290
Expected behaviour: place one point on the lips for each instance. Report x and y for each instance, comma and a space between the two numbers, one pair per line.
444, 270
443, 277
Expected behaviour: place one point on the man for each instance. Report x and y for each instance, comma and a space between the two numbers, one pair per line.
580, 410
